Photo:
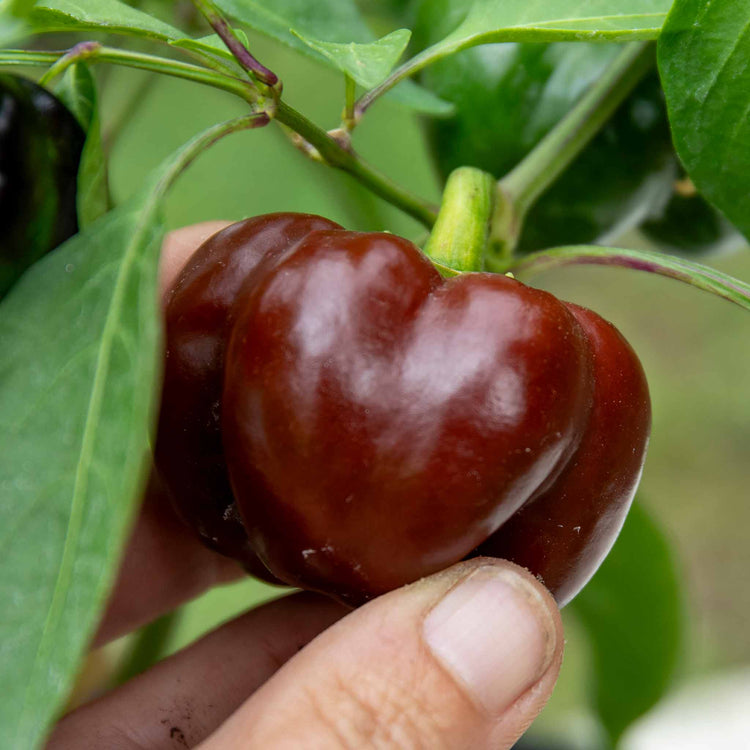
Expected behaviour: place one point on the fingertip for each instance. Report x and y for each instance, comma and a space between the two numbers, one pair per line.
179, 245
467, 657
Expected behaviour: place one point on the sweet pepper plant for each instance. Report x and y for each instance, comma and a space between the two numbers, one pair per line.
557, 125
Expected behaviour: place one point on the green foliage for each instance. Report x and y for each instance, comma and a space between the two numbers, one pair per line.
484, 21
99, 15
307, 27
632, 611
704, 60
367, 64
77, 89
508, 97
77, 395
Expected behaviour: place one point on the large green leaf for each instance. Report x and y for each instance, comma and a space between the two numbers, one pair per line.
303, 26
558, 20
632, 610
79, 334
704, 61
77, 89
485, 21
99, 15
78, 389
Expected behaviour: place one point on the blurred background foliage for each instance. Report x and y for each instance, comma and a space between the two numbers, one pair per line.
693, 346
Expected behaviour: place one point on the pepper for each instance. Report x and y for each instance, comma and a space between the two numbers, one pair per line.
507, 97
189, 455
40, 150
379, 423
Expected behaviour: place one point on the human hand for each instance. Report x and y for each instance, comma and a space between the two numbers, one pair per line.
464, 658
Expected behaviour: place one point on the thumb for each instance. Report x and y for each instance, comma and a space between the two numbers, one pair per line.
465, 658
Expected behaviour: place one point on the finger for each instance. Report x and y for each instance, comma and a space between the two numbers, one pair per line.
182, 699
179, 245
164, 566
464, 659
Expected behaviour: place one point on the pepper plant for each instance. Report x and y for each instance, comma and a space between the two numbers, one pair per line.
579, 119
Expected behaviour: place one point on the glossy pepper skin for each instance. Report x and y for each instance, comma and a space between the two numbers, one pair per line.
199, 315
40, 151
562, 535
378, 422
509, 96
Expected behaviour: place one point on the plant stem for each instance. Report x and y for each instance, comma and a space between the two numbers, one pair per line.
142, 61
459, 238
330, 150
193, 149
350, 90
227, 34
555, 152
79, 53
695, 274
336, 156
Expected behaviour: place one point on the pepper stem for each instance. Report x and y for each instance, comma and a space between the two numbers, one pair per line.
458, 240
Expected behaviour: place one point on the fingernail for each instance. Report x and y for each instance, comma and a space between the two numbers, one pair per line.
495, 633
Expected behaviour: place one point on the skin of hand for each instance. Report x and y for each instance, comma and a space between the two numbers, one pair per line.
463, 659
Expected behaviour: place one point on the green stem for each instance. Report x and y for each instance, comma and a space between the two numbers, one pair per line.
335, 155
350, 90
330, 150
560, 147
456, 42
695, 274
79, 53
407, 69
190, 151
459, 238
141, 61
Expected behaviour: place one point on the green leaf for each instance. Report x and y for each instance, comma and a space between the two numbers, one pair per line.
489, 21
110, 16
77, 397
367, 64
77, 89
78, 393
701, 277
632, 610
558, 20
327, 20
337, 21
704, 61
